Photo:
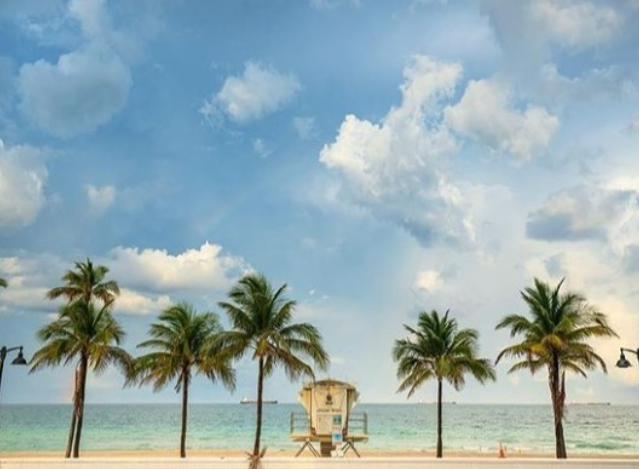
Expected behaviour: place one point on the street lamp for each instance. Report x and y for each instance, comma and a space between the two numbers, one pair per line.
19, 360
623, 362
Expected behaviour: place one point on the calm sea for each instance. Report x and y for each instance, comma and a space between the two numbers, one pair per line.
589, 428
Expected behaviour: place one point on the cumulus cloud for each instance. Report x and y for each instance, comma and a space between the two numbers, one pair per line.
100, 198
147, 277
258, 91
92, 16
534, 35
392, 167
428, 281
485, 114
85, 88
22, 180
205, 269
575, 24
570, 24
134, 303
583, 212
29, 276
80, 92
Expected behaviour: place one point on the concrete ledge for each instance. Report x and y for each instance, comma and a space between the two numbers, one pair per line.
308, 463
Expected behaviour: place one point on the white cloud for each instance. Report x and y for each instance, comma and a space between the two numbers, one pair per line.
134, 303
22, 180
259, 91
392, 168
306, 127
145, 277
100, 198
534, 35
428, 281
584, 212
86, 87
82, 91
29, 277
485, 114
92, 16
205, 269
576, 24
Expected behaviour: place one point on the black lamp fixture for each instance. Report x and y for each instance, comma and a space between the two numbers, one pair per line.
623, 362
19, 360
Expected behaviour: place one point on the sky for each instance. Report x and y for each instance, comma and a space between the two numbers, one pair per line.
381, 158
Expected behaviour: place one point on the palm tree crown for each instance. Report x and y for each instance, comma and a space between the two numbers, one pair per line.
183, 341
438, 349
555, 336
261, 318
86, 281
82, 329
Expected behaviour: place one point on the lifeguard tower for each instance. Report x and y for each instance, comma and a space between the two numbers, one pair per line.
329, 419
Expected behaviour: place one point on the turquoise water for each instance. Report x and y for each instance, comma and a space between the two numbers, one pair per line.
588, 428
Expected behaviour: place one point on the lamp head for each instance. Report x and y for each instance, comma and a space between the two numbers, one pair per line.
19, 360
623, 361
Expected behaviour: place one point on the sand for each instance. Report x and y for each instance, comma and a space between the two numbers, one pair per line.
366, 453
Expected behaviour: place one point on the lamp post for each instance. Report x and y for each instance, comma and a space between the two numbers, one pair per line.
623, 362
19, 360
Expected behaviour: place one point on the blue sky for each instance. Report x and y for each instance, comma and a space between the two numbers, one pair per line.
379, 157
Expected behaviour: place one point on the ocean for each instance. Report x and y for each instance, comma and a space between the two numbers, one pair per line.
602, 429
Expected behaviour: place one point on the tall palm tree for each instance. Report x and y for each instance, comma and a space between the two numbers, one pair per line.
86, 282
184, 342
555, 336
438, 349
261, 318
86, 333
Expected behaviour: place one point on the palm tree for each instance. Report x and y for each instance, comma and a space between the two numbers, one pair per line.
555, 336
184, 342
3, 283
261, 318
86, 333
438, 349
86, 282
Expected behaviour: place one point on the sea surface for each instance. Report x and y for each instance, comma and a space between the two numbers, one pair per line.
603, 429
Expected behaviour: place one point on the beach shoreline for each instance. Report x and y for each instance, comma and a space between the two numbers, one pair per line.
286, 453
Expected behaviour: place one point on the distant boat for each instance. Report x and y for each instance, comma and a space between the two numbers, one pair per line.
246, 400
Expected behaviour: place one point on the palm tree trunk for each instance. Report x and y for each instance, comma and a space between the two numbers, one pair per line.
558, 396
440, 449
74, 416
260, 387
185, 400
84, 362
